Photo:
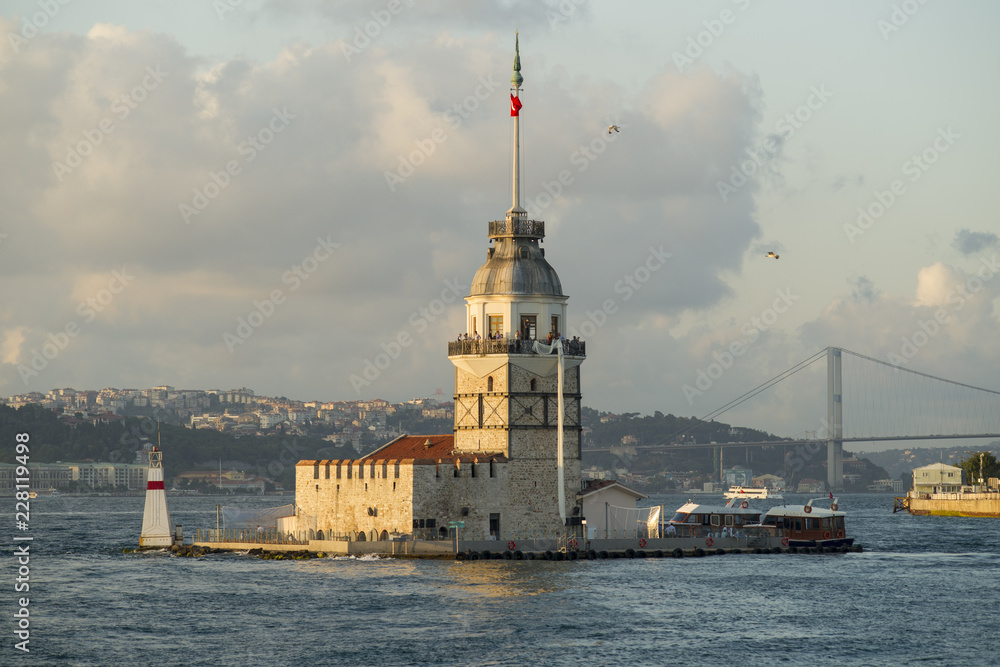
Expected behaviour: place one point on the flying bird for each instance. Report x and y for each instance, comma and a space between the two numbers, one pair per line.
613, 128
771, 255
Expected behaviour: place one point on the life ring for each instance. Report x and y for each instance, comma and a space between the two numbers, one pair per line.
745, 504
572, 544
833, 506
784, 541
840, 533
807, 509
511, 545
708, 541
826, 535
642, 542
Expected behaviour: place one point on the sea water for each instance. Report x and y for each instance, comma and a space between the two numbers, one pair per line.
924, 590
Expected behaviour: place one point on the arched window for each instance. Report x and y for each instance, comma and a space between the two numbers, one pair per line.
523, 251
534, 384
384, 536
361, 536
489, 383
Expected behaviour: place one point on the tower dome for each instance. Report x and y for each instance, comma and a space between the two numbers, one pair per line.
516, 265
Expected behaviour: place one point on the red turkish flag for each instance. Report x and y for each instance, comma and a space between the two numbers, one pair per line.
515, 105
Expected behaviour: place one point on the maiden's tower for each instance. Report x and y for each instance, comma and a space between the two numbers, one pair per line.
512, 464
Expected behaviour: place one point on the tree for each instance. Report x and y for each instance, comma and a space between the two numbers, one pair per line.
991, 467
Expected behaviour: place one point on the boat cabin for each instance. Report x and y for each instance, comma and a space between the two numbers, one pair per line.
695, 519
808, 525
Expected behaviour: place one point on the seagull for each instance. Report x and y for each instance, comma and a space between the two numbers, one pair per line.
771, 255
614, 128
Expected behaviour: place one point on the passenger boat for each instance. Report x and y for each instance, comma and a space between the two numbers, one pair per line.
696, 519
808, 525
740, 492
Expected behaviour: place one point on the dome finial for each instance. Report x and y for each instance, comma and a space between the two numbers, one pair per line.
517, 79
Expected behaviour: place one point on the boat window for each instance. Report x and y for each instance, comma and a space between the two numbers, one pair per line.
729, 519
798, 524
679, 517
827, 523
715, 519
840, 522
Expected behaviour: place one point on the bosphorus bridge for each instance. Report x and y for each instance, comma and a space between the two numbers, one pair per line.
883, 402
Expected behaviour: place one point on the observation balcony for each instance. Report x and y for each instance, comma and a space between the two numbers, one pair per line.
481, 348
517, 228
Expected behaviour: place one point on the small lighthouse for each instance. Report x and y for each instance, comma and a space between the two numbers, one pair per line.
155, 518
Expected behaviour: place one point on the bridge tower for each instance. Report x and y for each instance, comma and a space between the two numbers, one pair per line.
834, 419
506, 393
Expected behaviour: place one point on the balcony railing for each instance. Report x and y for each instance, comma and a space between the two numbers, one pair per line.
571, 348
517, 227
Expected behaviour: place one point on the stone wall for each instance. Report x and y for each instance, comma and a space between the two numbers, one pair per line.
350, 497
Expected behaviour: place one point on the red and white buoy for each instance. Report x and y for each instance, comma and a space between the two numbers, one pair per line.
155, 518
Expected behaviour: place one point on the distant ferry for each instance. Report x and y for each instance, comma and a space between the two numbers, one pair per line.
740, 492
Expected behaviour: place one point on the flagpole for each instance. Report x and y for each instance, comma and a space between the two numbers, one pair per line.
515, 105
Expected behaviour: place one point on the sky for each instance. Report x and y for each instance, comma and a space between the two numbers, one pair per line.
293, 195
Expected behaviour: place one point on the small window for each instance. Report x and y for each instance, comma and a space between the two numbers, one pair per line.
729, 520
338, 470
492, 474
431, 523
372, 475
523, 252
327, 470
316, 470
489, 383
473, 468
385, 470
534, 387
455, 472
397, 469
361, 471
555, 324
350, 471
715, 520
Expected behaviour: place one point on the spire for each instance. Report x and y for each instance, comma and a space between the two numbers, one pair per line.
515, 105
517, 79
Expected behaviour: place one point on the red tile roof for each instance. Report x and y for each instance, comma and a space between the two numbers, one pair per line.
416, 448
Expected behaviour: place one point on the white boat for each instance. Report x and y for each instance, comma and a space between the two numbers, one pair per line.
740, 492
698, 520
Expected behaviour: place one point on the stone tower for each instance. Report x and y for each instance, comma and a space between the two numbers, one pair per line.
506, 390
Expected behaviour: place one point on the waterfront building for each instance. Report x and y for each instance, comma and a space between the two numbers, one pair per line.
511, 466
59, 476
937, 478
